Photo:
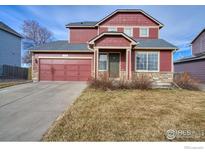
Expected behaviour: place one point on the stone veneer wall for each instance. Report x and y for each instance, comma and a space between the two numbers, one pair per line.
34, 69
157, 77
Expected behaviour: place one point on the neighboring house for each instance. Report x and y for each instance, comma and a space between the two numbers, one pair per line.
195, 65
121, 45
10, 46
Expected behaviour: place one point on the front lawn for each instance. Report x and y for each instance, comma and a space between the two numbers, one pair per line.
131, 115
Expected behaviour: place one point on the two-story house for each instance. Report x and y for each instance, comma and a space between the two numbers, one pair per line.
194, 65
121, 45
10, 46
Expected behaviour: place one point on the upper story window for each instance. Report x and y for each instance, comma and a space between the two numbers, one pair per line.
144, 32
128, 31
147, 61
112, 29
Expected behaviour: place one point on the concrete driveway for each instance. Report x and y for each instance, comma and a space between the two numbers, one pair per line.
28, 110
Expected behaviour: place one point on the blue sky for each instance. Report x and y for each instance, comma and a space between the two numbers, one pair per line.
182, 23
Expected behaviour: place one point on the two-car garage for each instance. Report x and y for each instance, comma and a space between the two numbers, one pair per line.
64, 69
62, 61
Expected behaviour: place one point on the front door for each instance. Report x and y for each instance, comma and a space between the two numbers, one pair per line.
114, 59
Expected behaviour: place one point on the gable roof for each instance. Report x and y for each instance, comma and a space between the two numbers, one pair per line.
198, 36
6, 28
61, 45
193, 58
131, 10
154, 44
112, 33
96, 23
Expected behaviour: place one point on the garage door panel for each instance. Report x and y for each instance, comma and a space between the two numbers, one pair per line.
71, 67
65, 70
84, 67
45, 67
58, 67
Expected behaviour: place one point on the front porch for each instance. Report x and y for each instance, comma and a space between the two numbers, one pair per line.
113, 63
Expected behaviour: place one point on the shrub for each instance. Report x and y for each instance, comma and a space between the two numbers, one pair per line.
102, 83
141, 82
185, 81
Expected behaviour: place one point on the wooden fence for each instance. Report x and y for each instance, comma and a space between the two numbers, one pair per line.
13, 72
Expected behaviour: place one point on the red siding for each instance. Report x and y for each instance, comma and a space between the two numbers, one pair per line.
153, 33
196, 69
133, 61
165, 61
102, 29
112, 41
129, 19
123, 61
120, 29
82, 35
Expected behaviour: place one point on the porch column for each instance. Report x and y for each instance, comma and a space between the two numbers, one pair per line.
127, 72
130, 64
96, 62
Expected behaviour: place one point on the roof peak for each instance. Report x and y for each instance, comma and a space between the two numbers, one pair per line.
8, 29
96, 23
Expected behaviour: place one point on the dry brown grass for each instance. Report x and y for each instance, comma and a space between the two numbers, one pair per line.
130, 115
5, 84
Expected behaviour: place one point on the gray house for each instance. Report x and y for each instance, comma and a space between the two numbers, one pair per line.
10, 46
195, 65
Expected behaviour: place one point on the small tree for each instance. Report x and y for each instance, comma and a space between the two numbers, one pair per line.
34, 35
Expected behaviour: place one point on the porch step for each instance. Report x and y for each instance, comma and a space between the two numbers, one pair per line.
163, 85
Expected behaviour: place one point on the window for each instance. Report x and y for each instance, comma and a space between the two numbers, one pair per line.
128, 31
147, 61
112, 29
102, 65
144, 32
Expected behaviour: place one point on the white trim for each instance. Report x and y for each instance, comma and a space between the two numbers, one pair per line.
61, 51
111, 47
153, 48
127, 63
97, 63
141, 35
158, 69
114, 33
125, 26
65, 57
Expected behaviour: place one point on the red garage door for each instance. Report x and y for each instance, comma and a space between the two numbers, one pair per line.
65, 70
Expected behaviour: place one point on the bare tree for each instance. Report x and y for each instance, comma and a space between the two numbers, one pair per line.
34, 35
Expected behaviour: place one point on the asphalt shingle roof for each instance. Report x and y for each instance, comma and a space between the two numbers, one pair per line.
193, 58
154, 43
61, 45
6, 28
81, 24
